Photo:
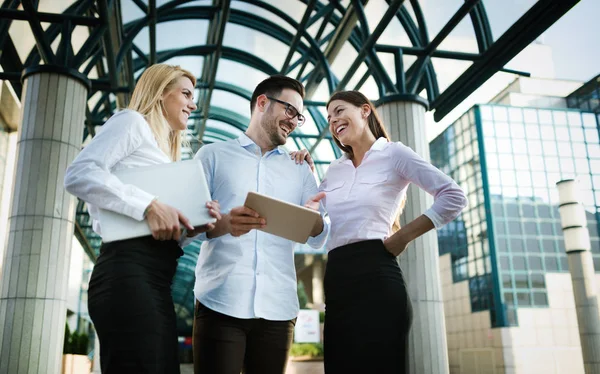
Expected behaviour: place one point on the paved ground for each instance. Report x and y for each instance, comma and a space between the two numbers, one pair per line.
187, 369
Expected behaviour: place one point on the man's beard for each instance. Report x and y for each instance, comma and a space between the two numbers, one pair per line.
271, 128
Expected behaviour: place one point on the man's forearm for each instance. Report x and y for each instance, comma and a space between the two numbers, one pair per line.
222, 227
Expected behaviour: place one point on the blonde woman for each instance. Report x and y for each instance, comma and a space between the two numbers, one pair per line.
129, 296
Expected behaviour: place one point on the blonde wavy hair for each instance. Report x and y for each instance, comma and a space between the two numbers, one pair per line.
147, 100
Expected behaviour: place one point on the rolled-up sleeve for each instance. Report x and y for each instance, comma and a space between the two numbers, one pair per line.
449, 198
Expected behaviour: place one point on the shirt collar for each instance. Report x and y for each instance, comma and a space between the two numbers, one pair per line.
246, 142
377, 146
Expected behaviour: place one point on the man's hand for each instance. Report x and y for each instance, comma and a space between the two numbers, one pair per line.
214, 209
244, 219
301, 156
314, 204
164, 221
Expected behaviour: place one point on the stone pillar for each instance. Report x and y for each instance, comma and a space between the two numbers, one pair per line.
581, 266
33, 287
318, 298
404, 118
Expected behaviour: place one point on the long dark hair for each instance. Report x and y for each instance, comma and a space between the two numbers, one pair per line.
375, 125
374, 121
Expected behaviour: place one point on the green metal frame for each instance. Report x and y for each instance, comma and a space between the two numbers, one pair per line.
111, 51
501, 317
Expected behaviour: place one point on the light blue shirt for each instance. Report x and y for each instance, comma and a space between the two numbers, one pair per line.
251, 276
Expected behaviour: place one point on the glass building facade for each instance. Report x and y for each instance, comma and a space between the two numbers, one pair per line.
508, 160
587, 97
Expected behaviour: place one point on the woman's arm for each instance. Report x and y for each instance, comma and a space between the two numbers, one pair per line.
449, 198
398, 242
89, 176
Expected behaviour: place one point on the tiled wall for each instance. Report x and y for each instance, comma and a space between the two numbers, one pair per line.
546, 340
470, 335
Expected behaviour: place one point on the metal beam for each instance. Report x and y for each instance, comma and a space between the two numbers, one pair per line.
59, 18
216, 31
5, 23
42, 44
439, 38
109, 38
522, 33
343, 31
152, 30
330, 8
362, 54
89, 46
301, 27
370, 42
11, 63
420, 51
120, 73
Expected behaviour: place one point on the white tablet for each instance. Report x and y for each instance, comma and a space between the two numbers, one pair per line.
181, 185
289, 221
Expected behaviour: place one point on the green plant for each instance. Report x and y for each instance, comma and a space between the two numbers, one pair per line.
75, 343
321, 317
307, 349
302, 298
67, 344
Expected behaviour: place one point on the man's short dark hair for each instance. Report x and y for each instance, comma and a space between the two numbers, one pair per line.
273, 86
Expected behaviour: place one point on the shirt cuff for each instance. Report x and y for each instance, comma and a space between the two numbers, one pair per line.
137, 202
186, 240
437, 220
319, 240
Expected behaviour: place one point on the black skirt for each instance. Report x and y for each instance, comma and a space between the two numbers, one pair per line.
130, 303
368, 312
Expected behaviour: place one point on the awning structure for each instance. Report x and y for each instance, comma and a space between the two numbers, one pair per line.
388, 49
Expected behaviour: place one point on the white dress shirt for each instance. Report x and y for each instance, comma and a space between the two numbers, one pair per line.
251, 276
363, 202
124, 141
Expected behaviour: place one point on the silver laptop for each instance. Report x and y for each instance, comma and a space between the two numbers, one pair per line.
181, 185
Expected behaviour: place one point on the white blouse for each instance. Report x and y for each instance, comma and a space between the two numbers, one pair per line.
362, 202
124, 141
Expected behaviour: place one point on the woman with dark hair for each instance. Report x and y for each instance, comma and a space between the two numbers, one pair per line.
368, 311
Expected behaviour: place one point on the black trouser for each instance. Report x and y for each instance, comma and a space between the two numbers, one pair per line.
367, 311
228, 345
130, 303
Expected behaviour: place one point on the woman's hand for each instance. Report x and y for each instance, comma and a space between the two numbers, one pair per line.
301, 156
395, 245
214, 209
164, 221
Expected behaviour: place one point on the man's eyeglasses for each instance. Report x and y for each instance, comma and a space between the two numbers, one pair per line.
290, 111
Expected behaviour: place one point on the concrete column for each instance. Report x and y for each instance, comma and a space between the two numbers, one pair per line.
318, 298
33, 287
404, 119
581, 266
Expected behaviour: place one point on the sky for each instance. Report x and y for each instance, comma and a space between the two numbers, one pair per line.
575, 42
